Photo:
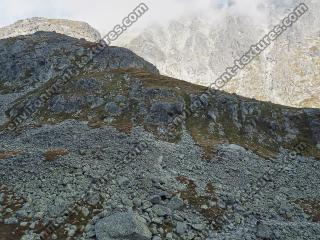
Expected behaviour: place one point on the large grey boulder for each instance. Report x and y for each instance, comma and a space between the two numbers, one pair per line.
164, 112
124, 226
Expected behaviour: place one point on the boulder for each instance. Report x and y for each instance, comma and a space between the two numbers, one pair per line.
122, 226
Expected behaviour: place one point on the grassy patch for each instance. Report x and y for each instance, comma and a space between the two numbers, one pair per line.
199, 132
77, 218
12, 231
53, 154
5, 89
212, 213
8, 232
310, 207
123, 124
150, 80
263, 140
8, 154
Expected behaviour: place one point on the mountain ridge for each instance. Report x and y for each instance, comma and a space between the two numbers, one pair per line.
71, 28
199, 49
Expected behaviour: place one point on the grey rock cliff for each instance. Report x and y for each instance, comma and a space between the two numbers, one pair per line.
199, 49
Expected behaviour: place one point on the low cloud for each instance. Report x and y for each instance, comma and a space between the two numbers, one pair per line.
103, 15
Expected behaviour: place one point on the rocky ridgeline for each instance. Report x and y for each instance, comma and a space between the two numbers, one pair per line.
99, 161
70, 28
30, 62
198, 49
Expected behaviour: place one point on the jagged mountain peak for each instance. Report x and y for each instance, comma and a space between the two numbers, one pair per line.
199, 49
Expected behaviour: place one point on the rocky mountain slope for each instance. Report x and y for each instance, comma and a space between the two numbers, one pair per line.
198, 49
99, 159
32, 25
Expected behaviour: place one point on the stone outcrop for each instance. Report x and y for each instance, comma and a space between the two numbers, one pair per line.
70, 28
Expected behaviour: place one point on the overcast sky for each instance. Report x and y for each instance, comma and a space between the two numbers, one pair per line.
104, 14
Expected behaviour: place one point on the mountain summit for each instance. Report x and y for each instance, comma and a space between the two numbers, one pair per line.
70, 28
198, 49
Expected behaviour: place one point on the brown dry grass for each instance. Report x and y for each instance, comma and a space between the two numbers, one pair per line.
191, 195
123, 125
310, 207
152, 80
12, 231
8, 154
75, 217
53, 154
207, 142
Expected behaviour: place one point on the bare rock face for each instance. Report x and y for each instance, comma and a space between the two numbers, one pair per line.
70, 28
199, 50
29, 62
122, 226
